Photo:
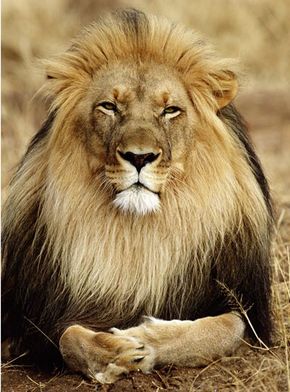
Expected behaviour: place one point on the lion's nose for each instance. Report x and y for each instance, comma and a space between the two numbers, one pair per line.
139, 160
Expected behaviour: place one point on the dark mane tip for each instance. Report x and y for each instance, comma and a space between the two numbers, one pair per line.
133, 19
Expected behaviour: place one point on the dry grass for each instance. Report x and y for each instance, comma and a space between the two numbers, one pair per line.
255, 31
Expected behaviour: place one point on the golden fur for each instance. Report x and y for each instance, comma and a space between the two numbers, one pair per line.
208, 191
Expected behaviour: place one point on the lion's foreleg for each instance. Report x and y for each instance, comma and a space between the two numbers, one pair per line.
189, 343
107, 356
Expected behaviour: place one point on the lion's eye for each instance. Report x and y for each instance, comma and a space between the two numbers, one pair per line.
107, 107
171, 111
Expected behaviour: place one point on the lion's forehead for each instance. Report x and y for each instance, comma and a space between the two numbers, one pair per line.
154, 83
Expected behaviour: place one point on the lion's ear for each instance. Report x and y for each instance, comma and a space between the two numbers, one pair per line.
227, 88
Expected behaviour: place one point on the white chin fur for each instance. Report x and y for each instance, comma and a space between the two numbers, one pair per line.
137, 200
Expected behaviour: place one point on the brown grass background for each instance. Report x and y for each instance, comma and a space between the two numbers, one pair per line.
256, 32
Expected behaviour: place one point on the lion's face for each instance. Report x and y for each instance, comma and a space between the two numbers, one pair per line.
140, 131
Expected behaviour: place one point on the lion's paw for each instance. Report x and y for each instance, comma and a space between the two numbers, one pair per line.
131, 357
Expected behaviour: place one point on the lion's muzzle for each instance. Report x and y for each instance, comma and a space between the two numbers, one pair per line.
136, 178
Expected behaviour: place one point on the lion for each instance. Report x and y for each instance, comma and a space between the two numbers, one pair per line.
138, 225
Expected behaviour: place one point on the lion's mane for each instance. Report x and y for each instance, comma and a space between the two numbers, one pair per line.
69, 256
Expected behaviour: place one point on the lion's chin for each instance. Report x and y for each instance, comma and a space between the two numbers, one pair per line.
137, 200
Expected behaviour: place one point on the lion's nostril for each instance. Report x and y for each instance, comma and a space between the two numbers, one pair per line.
139, 160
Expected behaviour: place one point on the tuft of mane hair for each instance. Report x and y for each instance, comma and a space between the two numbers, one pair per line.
70, 257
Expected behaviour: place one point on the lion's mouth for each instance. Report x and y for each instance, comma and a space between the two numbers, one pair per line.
139, 186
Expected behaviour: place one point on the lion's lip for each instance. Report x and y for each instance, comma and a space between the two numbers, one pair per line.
139, 186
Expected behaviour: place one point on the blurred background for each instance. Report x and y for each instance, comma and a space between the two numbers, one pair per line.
256, 32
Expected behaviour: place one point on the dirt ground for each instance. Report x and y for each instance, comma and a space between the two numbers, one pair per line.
251, 369
230, 374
